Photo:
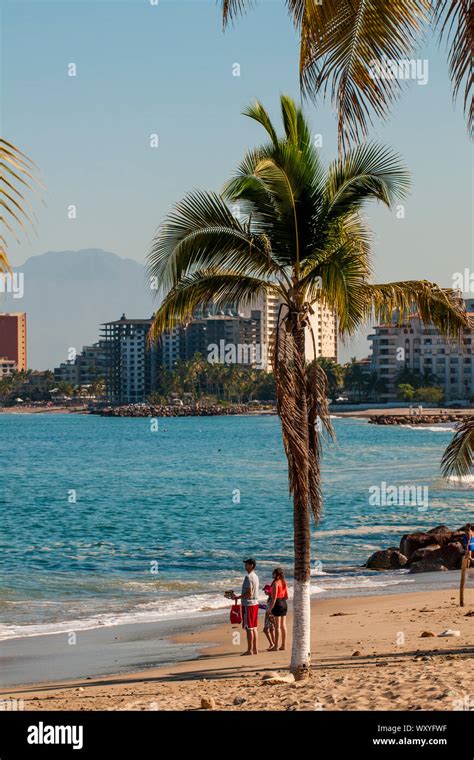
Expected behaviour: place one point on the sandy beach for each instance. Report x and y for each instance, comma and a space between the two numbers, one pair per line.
369, 653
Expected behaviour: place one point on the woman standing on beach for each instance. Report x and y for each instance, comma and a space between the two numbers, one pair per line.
279, 608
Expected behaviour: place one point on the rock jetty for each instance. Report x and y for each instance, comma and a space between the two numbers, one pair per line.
162, 410
416, 419
437, 549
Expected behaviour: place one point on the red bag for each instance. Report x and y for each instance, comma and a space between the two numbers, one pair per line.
236, 614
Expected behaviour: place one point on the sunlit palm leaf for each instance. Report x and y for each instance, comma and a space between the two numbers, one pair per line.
17, 177
341, 40
458, 458
455, 18
344, 44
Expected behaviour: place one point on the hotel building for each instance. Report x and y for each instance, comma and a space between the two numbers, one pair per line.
418, 347
323, 325
131, 363
13, 338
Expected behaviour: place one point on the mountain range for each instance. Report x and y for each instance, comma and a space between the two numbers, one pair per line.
68, 294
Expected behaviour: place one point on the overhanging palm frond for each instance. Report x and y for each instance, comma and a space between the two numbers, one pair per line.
343, 47
455, 20
17, 176
442, 307
458, 458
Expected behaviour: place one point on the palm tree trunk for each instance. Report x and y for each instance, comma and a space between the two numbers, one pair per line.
301, 646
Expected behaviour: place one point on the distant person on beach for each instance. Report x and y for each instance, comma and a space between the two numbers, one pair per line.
249, 597
269, 622
469, 541
279, 608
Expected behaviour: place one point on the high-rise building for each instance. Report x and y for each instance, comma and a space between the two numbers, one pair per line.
219, 337
130, 360
322, 322
420, 348
13, 338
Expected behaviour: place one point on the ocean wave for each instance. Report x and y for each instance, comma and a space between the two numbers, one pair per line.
462, 480
432, 428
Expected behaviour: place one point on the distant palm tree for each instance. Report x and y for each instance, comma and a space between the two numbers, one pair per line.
342, 41
17, 176
355, 378
299, 236
458, 457
334, 375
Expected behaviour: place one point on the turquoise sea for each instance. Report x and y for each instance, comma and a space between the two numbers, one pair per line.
106, 521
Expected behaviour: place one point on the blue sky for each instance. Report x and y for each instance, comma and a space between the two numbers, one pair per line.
167, 69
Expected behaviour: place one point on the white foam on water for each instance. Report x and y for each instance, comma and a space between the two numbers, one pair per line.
431, 428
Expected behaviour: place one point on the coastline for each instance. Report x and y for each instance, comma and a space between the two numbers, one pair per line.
367, 654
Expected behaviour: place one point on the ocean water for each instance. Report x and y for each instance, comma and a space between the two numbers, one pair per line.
105, 521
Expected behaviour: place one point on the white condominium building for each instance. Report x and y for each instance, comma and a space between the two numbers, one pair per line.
420, 348
323, 324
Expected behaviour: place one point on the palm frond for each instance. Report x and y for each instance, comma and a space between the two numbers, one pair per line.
203, 232
367, 172
455, 20
344, 44
442, 307
17, 177
458, 458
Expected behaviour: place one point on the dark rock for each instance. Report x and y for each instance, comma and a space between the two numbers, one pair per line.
387, 559
422, 553
449, 555
427, 566
411, 542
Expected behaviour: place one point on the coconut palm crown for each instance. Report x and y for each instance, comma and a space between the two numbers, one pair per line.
286, 225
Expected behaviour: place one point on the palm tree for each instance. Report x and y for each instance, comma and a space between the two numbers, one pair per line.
355, 377
342, 41
374, 386
303, 240
458, 457
17, 175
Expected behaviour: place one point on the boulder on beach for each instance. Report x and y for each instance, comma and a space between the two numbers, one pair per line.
439, 548
427, 566
387, 559
423, 553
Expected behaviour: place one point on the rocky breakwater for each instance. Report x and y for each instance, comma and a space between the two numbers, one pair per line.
161, 410
416, 419
437, 549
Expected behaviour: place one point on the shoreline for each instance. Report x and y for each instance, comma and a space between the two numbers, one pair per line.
367, 639
335, 412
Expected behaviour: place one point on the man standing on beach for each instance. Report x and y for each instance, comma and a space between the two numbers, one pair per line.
249, 597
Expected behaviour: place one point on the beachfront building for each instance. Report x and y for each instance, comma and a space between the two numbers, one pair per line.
418, 347
13, 338
90, 365
218, 335
131, 363
323, 325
